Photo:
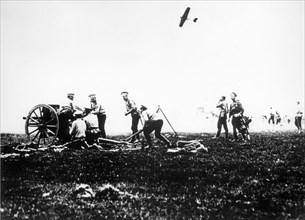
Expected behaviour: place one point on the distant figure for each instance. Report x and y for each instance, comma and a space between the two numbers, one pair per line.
271, 117
131, 108
298, 118
277, 118
286, 119
222, 118
93, 131
99, 111
152, 123
236, 112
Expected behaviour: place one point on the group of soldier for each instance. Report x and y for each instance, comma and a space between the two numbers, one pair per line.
89, 124
235, 114
240, 122
275, 118
86, 124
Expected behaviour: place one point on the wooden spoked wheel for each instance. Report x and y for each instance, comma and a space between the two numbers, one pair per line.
42, 125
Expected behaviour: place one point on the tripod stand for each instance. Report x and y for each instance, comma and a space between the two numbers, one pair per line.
159, 109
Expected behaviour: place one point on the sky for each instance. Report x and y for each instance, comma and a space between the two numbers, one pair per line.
51, 48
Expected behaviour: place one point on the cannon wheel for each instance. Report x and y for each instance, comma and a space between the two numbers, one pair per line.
42, 125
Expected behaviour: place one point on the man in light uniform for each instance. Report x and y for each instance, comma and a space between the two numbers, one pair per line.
271, 118
222, 118
66, 116
99, 111
236, 112
70, 104
131, 108
277, 118
78, 127
78, 131
152, 123
93, 131
298, 118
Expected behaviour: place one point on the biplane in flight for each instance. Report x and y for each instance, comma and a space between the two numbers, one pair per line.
185, 17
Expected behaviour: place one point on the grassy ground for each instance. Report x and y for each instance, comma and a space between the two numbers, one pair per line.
264, 179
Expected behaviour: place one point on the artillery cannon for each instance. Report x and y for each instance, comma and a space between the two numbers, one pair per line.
45, 123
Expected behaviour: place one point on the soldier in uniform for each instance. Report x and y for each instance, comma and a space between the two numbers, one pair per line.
152, 123
131, 109
99, 111
78, 127
93, 132
271, 118
277, 118
70, 104
78, 132
222, 118
298, 118
70, 100
236, 112
66, 116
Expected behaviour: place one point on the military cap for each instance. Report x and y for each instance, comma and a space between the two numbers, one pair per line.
234, 93
143, 107
124, 92
78, 113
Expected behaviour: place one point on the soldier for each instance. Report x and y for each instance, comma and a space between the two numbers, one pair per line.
278, 118
99, 111
131, 108
236, 112
298, 118
152, 123
222, 118
78, 127
271, 118
70, 104
93, 131
78, 132
66, 116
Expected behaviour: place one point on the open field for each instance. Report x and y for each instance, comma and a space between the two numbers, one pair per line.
264, 179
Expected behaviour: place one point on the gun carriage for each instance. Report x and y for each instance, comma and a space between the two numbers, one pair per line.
46, 123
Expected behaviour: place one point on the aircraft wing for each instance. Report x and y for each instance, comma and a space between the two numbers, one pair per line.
184, 16
182, 21
186, 13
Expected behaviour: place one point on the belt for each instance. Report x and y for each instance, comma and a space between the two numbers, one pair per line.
92, 128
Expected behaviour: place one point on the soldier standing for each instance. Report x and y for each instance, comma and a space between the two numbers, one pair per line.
131, 108
271, 118
99, 111
66, 116
70, 103
298, 117
277, 118
222, 118
236, 112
